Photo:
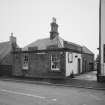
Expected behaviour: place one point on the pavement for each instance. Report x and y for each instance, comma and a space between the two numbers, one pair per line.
89, 76
20, 93
88, 81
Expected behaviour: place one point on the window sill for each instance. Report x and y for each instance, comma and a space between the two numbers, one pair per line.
55, 71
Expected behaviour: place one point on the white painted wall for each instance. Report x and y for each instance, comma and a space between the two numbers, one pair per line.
102, 35
73, 66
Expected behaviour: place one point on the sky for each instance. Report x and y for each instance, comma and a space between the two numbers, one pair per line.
30, 20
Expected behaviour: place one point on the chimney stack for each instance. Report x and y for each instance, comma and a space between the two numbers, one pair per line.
12, 38
54, 29
13, 41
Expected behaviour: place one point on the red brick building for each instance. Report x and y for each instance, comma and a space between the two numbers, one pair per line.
52, 57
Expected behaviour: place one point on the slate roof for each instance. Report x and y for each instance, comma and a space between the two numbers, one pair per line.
42, 44
5, 48
86, 50
72, 46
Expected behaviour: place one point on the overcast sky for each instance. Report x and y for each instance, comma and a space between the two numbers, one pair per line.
30, 20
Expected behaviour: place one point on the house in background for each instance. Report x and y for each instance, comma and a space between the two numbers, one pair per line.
6, 49
87, 60
52, 57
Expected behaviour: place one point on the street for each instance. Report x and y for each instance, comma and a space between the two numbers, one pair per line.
90, 76
15, 93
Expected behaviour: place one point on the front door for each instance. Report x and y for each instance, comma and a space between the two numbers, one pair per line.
79, 66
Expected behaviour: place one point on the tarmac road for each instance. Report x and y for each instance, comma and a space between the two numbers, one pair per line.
13, 93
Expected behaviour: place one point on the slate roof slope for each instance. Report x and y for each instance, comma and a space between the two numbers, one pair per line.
72, 46
77, 47
44, 43
86, 50
5, 48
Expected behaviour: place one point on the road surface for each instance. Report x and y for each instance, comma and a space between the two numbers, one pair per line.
90, 76
15, 93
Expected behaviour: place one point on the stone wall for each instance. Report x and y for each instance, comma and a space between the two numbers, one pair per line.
39, 65
17, 65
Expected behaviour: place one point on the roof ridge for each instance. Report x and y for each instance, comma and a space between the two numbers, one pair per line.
35, 41
4, 42
73, 43
85, 48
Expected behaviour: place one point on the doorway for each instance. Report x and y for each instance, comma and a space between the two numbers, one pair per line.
79, 66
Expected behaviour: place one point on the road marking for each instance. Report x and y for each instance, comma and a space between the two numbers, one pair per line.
29, 95
95, 97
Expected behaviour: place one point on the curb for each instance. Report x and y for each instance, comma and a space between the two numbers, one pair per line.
52, 84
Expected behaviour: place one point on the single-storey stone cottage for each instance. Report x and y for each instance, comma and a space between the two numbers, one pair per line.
52, 57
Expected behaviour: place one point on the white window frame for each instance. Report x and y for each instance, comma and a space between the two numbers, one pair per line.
70, 57
52, 63
26, 62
